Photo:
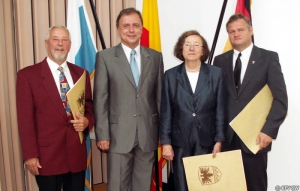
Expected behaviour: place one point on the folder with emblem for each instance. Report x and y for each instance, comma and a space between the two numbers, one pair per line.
222, 173
76, 99
249, 122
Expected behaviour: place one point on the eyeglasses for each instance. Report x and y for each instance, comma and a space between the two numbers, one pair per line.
195, 45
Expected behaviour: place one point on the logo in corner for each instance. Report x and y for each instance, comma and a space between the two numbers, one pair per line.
209, 175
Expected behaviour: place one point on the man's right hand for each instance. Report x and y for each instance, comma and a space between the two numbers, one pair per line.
103, 145
33, 165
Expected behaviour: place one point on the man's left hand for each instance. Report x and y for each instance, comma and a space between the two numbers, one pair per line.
80, 123
263, 140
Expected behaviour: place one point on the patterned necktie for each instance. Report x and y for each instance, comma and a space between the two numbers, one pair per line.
64, 88
134, 67
237, 72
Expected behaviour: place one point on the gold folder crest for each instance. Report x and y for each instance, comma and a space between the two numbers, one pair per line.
76, 98
209, 175
81, 102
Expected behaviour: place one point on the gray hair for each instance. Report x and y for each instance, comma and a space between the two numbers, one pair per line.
55, 27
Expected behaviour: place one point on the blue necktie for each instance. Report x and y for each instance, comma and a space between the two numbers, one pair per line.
64, 88
134, 68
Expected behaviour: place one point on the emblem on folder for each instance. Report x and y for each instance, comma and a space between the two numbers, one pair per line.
81, 102
209, 175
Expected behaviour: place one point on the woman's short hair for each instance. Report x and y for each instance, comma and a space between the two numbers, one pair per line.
179, 45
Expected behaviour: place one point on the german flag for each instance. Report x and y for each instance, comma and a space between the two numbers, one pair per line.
242, 6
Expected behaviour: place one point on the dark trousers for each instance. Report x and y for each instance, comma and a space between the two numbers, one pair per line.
255, 167
193, 149
69, 182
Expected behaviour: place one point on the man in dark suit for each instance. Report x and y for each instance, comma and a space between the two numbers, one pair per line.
245, 76
49, 134
126, 104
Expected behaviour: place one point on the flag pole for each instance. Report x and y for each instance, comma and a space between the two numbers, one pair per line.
97, 24
217, 31
156, 170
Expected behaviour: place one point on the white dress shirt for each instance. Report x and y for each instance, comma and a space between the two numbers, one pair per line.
193, 78
127, 51
244, 59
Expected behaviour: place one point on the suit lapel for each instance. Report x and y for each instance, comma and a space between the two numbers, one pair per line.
253, 65
75, 75
202, 79
145, 65
228, 69
51, 88
122, 61
183, 80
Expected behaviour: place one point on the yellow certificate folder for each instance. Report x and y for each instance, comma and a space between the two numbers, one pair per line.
76, 99
249, 122
223, 173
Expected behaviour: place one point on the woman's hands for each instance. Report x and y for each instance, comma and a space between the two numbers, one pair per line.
168, 152
217, 149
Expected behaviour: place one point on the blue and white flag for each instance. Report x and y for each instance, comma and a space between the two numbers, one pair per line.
83, 48
82, 53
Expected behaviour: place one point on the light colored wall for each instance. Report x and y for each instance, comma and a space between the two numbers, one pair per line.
276, 27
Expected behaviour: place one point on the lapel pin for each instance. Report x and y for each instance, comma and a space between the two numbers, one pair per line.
253, 62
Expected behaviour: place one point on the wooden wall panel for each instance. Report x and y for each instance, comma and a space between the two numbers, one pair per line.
24, 33
105, 23
129, 3
3, 95
116, 7
11, 175
17, 164
41, 20
58, 11
25, 51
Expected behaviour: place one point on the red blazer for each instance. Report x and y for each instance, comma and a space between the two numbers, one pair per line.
44, 128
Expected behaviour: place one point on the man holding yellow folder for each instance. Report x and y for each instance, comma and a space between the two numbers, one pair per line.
51, 147
247, 69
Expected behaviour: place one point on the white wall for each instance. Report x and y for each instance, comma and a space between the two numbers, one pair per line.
276, 26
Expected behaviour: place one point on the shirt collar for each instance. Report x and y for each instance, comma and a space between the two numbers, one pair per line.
54, 66
127, 50
245, 52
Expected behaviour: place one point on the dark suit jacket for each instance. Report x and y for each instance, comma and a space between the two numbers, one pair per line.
263, 68
181, 109
122, 109
44, 128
